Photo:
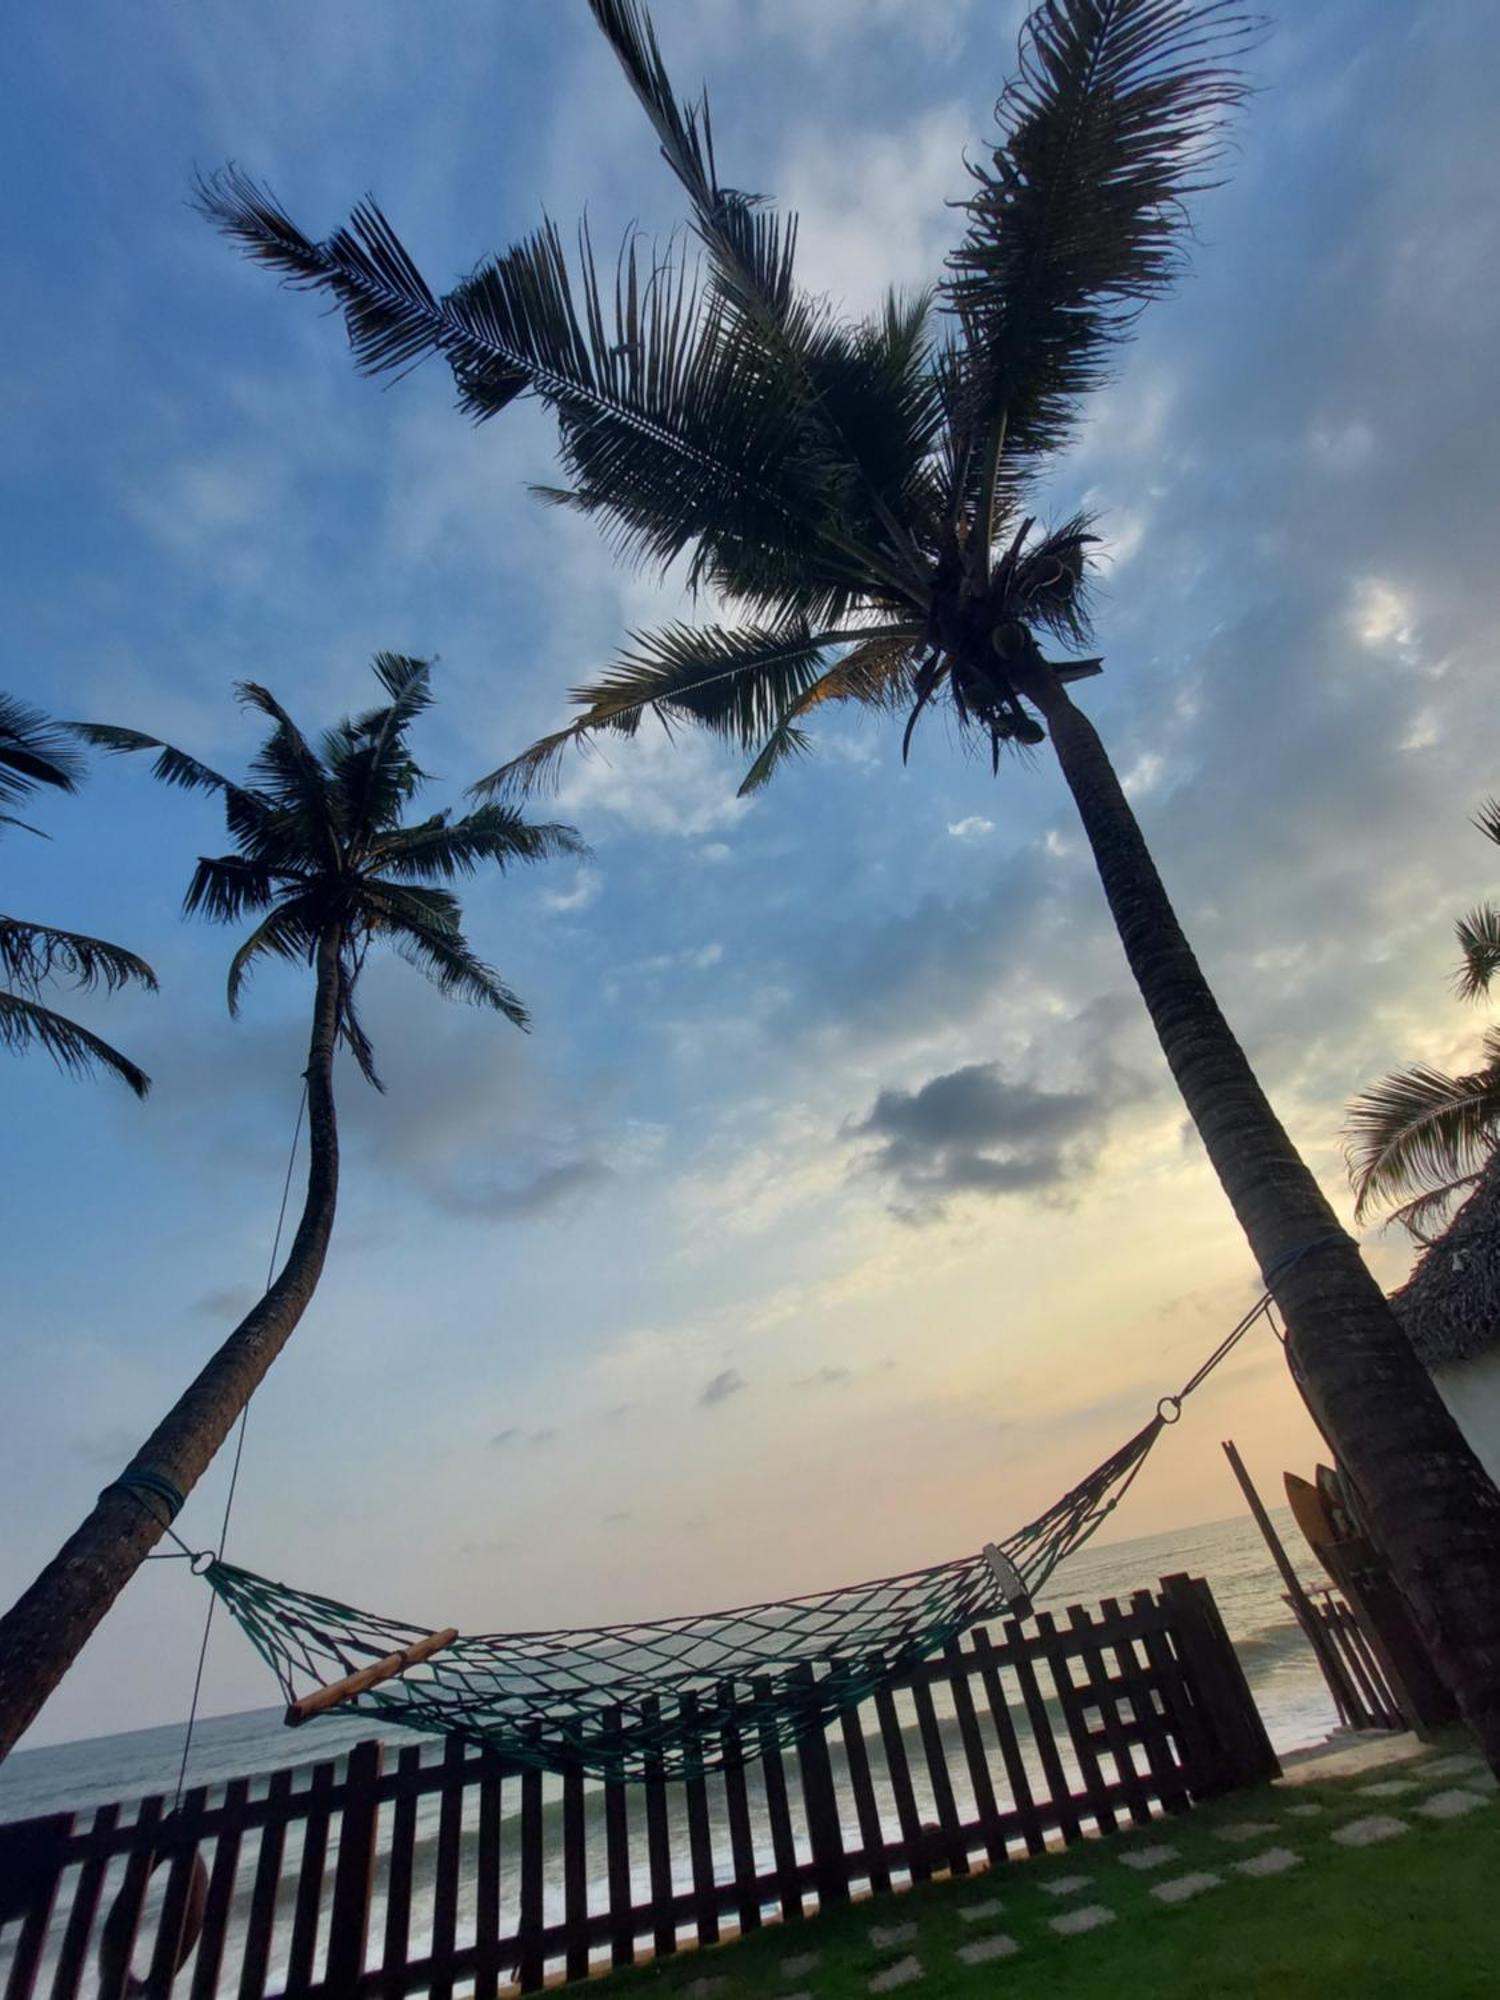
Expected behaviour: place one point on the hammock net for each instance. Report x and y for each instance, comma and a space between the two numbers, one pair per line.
677, 1697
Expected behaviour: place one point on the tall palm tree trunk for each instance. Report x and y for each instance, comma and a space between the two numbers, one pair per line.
46, 1629
1428, 1500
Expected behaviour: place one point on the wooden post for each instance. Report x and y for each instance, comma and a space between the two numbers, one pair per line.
28, 1886
820, 1800
1345, 1697
381, 1670
1237, 1750
349, 1918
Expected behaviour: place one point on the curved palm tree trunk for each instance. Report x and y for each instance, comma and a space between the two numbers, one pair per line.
45, 1630
1428, 1500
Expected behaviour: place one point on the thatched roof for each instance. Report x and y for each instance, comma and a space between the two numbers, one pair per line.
1450, 1305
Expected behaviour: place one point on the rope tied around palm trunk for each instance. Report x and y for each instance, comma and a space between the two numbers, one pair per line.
676, 1697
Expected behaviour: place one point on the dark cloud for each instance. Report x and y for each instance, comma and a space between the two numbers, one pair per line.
974, 1131
514, 1434
728, 1382
227, 1302
826, 1378
544, 1192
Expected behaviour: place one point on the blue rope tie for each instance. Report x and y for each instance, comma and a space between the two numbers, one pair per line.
1279, 1266
140, 1479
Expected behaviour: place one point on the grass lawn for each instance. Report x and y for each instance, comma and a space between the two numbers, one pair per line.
1415, 1915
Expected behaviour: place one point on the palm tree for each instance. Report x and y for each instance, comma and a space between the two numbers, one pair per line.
326, 865
855, 493
35, 752
1420, 1137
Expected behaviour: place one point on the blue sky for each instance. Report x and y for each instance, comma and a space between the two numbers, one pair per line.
838, 1211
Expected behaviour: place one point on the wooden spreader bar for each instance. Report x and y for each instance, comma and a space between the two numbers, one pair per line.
380, 1670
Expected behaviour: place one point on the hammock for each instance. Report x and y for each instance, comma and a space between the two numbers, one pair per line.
675, 1697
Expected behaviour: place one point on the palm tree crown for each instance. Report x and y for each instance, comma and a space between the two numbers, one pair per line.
1420, 1138
35, 752
854, 490
321, 849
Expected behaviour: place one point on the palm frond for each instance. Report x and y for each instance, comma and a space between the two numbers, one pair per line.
392, 318
752, 247
737, 683
751, 250
423, 926
1419, 1129
34, 751
515, 325
286, 767
879, 673
442, 849
31, 954
75, 1049
672, 432
289, 932
1430, 1211
172, 767
226, 886
351, 1028
1111, 123
1479, 941
1487, 820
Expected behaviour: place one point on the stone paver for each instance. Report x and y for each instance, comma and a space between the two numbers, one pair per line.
793, 1968
1089, 1918
1275, 1861
1365, 1832
1483, 1781
1388, 1788
982, 1950
1183, 1888
1143, 1858
1453, 1767
885, 1937
1306, 1809
1067, 1885
977, 1913
706, 1989
905, 1972
1450, 1805
1245, 1829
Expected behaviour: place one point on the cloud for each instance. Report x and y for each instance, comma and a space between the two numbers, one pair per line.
974, 1132
226, 1302
541, 1193
972, 828
517, 1434
826, 1378
728, 1382
587, 884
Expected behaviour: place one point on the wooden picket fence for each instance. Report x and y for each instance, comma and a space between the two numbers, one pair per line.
463, 1873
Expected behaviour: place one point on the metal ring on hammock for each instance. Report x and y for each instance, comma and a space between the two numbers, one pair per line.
1172, 1404
117, 1940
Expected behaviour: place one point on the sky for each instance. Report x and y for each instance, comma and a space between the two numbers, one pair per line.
838, 1213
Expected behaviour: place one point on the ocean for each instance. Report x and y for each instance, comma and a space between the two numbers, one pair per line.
1278, 1663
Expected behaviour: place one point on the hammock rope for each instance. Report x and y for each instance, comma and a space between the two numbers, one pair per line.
677, 1697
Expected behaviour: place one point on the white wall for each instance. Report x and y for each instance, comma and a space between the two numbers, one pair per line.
1471, 1389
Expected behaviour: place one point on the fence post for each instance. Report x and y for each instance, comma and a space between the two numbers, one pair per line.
349, 1918
31, 1866
1236, 1750
820, 1800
